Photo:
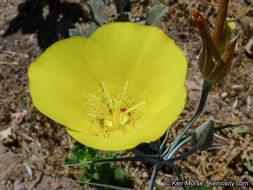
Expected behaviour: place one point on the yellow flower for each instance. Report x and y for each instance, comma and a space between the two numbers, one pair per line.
122, 86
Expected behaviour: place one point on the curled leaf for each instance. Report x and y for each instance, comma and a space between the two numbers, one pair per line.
202, 137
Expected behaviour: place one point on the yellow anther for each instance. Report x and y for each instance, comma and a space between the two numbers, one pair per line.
108, 123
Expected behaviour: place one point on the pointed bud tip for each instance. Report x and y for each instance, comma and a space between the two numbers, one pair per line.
196, 16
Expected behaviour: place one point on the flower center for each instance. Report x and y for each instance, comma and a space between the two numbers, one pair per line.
119, 114
114, 111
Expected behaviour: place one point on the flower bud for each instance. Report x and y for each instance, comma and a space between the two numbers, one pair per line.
224, 65
215, 62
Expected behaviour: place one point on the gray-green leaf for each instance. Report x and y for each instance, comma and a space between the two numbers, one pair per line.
202, 137
155, 14
98, 11
91, 29
75, 32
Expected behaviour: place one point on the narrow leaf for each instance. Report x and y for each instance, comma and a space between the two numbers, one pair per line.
155, 14
232, 125
91, 29
75, 32
8, 63
165, 139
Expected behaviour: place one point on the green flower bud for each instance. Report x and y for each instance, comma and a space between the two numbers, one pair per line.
215, 62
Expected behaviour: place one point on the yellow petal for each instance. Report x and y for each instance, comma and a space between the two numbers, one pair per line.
57, 80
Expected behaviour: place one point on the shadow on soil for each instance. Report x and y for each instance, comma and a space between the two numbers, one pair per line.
49, 19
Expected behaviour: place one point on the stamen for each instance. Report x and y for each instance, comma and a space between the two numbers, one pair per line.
100, 103
100, 116
113, 113
107, 94
134, 107
124, 93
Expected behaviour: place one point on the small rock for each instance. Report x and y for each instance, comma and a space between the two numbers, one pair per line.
37, 127
8, 138
19, 116
18, 185
144, 175
224, 94
249, 101
237, 86
5, 135
28, 169
2, 32
3, 182
249, 47
235, 103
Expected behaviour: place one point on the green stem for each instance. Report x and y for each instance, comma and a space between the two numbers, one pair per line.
174, 168
206, 87
154, 175
159, 152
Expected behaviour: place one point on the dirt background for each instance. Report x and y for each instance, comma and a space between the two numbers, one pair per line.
33, 148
